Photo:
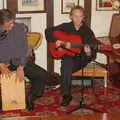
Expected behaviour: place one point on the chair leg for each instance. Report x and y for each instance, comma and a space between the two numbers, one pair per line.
105, 80
105, 84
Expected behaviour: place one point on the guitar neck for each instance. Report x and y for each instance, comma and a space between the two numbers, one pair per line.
97, 47
82, 46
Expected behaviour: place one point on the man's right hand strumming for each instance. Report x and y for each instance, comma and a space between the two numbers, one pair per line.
58, 44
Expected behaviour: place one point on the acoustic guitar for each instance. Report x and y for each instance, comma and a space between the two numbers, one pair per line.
76, 42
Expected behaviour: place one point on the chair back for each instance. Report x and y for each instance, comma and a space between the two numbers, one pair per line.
34, 39
115, 26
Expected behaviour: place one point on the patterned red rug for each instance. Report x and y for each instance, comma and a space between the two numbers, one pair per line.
101, 100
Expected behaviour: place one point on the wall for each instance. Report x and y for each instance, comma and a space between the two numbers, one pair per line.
100, 22
1, 4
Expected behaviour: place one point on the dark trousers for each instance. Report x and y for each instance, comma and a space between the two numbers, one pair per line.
70, 65
37, 77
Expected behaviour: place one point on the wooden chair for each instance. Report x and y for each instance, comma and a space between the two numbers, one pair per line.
92, 70
95, 69
34, 42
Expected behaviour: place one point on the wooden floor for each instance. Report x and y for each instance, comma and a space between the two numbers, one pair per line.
95, 116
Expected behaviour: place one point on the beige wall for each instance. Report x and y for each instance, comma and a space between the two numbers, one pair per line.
100, 21
1, 4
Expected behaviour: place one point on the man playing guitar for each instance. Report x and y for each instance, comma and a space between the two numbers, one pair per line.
75, 31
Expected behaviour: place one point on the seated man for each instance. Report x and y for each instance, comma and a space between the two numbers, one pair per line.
71, 62
14, 56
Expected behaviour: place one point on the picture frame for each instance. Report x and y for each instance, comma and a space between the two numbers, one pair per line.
31, 6
105, 5
66, 5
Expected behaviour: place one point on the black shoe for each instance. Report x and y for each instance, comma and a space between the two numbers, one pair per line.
66, 99
30, 107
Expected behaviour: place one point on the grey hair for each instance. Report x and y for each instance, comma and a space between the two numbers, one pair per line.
5, 15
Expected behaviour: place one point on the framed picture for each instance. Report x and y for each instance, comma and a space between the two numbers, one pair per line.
31, 6
107, 5
67, 5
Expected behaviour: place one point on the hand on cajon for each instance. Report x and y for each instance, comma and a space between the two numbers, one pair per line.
12, 92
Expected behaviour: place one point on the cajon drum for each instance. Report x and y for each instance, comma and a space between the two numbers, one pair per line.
12, 93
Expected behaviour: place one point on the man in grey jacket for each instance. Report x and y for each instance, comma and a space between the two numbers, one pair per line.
14, 56
13, 45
